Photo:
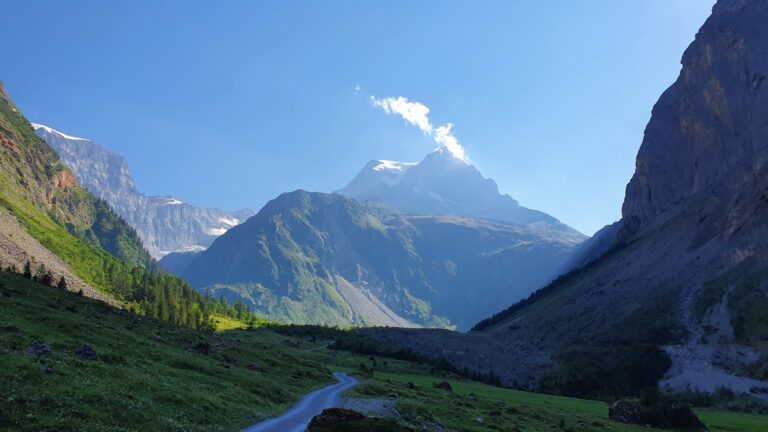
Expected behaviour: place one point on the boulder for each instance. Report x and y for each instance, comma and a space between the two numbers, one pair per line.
333, 416
86, 352
444, 385
38, 349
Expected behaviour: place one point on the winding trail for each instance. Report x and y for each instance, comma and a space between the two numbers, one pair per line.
297, 418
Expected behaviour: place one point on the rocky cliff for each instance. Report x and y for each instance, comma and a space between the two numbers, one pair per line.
164, 223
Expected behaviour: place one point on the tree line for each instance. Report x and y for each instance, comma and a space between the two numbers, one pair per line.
151, 293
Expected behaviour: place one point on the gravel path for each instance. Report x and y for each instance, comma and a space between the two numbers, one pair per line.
298, 417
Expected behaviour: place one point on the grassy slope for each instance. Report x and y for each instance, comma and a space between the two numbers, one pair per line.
511, 410
149, 376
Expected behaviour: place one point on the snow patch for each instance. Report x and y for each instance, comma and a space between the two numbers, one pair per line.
389, 165
229, 221
50, 130
173, 201
215, 231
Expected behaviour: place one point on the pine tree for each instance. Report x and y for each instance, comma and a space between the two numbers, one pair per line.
27, 270
62, 283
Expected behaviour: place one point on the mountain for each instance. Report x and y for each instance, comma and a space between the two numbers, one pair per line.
441, 184
325, 258
54, 231
163, 223
680, 297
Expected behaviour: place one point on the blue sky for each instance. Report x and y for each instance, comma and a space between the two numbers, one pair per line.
228, 104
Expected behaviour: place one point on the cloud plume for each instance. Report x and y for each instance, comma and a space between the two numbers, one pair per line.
417, 114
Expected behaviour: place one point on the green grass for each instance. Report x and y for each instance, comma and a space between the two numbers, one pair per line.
149, 375
510, 410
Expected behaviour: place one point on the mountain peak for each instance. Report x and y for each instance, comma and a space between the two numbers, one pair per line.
441, 184
51, 130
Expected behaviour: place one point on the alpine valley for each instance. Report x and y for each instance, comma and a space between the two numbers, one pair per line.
418, 296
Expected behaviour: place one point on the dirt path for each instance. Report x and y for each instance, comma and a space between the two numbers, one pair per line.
297, 418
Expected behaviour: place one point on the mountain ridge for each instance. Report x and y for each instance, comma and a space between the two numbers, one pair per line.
164, 223
301, 245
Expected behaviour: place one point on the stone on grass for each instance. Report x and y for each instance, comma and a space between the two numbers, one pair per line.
38, 349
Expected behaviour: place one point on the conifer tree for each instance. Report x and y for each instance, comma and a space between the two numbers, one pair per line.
27, 270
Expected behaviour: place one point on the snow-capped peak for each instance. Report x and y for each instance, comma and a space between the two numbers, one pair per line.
389, 165
54, 131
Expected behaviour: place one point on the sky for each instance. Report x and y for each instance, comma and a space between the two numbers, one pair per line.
229, 104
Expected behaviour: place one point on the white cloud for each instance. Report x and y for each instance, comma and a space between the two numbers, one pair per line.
444, 137
417, 114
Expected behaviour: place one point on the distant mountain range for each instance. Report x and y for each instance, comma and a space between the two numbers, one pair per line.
326, 258
163, 223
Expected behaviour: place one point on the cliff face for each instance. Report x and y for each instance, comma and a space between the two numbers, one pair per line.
164, 223
681, 294
707, 135
689, 267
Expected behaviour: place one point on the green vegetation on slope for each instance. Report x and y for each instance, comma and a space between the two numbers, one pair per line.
32, 173
84, 232
149, 375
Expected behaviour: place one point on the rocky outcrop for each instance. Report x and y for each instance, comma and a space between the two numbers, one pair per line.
163, 223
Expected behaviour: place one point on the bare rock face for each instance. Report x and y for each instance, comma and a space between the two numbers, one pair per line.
694, 233
707, 136
163, 223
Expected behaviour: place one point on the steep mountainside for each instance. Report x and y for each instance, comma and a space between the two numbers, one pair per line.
164, 223
51, 223
441, 184
33, 180
325, 258
688, 269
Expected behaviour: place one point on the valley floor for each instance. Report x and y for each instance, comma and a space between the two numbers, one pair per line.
71, 363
